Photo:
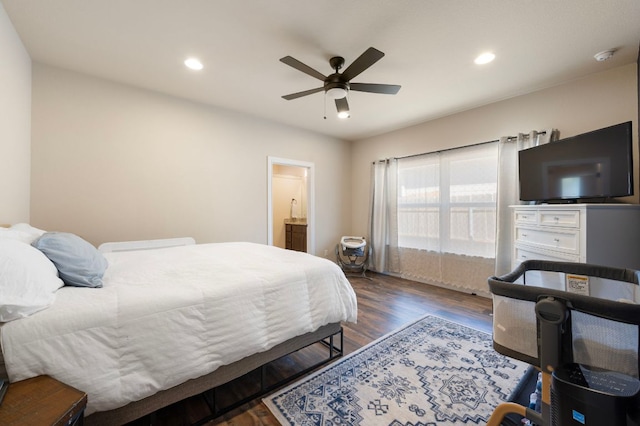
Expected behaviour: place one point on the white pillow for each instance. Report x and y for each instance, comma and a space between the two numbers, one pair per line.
28, 229
28, 280
13, 234
21, 232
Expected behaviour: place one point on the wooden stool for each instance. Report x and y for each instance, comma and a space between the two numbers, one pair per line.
42, 401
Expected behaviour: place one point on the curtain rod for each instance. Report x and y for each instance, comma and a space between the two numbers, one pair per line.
458, 147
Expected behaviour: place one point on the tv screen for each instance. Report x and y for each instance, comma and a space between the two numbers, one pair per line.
597, 164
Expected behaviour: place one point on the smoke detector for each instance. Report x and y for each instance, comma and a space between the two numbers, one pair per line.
604, 55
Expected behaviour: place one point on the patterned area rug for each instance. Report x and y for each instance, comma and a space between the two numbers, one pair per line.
431, 372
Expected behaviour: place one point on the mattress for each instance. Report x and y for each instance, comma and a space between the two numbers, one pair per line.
169, 315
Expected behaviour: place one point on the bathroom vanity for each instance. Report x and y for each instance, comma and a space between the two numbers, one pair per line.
296, 234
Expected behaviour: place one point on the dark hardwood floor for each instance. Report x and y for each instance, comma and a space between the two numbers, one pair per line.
384, 305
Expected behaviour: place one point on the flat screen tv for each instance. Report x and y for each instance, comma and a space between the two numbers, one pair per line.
597, 165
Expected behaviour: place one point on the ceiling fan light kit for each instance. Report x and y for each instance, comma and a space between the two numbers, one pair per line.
337, 91
338, 85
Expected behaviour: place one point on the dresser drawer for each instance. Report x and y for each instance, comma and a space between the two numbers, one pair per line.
525, 253
564, 218
565, 240
598, 234
526, 217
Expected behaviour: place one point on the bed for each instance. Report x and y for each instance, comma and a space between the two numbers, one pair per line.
172, 322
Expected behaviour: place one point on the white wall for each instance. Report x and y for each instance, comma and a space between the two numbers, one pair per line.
593, 102
15, 124
112, 162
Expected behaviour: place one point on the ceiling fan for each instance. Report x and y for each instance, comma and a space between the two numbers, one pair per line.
338, 85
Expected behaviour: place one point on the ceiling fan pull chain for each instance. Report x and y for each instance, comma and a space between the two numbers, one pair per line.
325, 105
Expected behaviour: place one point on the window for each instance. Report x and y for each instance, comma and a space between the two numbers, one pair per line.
447, 201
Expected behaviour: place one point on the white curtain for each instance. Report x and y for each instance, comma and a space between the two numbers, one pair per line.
384, 223
509, 191
446, 217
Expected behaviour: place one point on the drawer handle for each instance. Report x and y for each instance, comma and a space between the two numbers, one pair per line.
556, 218
524, 235
556, 240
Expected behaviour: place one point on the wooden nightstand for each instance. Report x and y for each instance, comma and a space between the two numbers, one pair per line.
42, 401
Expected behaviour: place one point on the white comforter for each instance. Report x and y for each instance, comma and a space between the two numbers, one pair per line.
165, 316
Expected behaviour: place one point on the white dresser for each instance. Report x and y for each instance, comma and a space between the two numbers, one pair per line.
599, 234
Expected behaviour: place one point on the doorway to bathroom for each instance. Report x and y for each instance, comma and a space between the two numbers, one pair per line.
291, 204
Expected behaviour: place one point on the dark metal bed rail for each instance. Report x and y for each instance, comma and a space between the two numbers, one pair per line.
210, 396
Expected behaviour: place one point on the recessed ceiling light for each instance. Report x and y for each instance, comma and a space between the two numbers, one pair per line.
343, 114
485, 58
193, 64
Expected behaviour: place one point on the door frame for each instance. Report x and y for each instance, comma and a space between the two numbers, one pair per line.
311, 234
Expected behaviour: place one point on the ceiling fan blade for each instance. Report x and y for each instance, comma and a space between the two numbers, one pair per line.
292, 62
342, 105
364, 61
387, 89
301, 94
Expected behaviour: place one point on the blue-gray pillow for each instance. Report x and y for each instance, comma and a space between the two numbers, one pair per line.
78, 262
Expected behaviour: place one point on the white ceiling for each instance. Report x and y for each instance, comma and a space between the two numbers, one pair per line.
429, 45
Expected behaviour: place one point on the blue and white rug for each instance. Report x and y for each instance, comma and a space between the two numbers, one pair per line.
431, 372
